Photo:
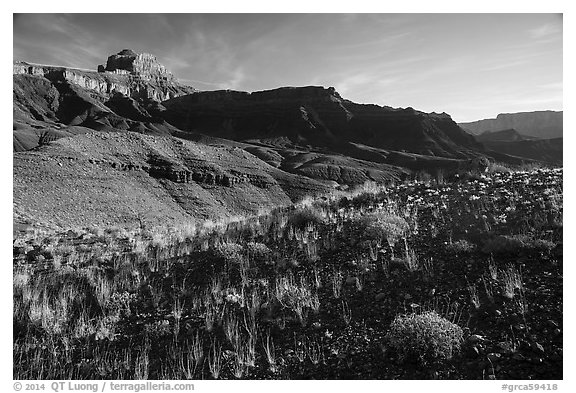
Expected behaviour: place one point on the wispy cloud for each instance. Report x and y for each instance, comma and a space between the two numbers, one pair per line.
545, 31
551, 86
351, 83
61, 41
236, 78
504, 64
211, 55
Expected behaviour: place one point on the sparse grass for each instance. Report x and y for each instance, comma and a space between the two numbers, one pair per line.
294, 295
300, 346
337, 279
197, 303
215, 359
492, 269
511, 282
269, 350
314, 351
474, 298
346, 313
489, 289
411, 260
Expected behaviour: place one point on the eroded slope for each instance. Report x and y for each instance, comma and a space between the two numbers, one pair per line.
105, 179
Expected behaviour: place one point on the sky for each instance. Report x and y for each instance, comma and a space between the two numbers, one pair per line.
472, 66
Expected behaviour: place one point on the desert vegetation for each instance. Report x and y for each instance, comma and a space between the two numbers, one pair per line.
435, 278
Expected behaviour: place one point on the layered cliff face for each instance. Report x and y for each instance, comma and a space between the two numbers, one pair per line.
540, 124
318, 118
48, 100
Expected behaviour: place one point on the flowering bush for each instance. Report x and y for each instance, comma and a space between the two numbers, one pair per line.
424, 337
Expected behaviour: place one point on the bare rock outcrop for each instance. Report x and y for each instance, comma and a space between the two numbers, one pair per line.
144, 65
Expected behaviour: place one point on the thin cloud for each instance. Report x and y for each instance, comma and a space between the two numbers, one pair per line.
380, 42
551, 86
60, 41
237, 77
545, 31
504, 64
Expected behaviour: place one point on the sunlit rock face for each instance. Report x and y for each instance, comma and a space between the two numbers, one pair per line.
143, 65
139, 76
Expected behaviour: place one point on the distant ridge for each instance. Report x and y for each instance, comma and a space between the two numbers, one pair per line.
319, 118
540, 124
510, 135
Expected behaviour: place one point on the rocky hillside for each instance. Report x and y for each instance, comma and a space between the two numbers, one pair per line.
317, 118
119, 178
540, 124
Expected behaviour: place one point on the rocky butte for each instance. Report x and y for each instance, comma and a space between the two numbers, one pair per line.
134, 75
143, 65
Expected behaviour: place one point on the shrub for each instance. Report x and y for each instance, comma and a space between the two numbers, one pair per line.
304, 216
461, 246
498, 168
259, 252
543, 245
504, 244
515, 243
230, 252
379, 226
425, 337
